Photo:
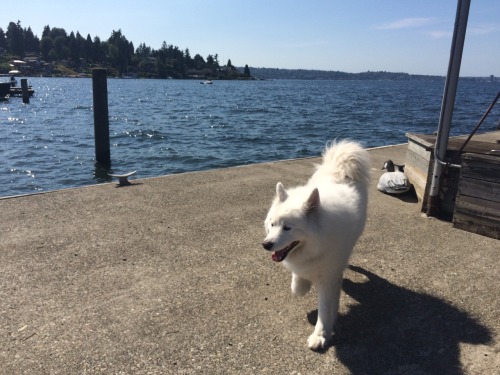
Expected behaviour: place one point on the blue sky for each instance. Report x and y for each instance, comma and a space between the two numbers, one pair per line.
346, 35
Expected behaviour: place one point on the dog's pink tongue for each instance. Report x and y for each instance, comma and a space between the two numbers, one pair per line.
277, 256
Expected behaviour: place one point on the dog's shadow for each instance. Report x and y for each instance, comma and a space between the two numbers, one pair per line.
393, 330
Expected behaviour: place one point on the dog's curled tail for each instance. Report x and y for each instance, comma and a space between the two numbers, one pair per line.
346, 161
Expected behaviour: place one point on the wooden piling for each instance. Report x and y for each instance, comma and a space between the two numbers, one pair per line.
101, 119
24, 89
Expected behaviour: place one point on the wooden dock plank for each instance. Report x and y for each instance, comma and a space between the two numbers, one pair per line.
455, 143
489, 191
484, 167
477, 207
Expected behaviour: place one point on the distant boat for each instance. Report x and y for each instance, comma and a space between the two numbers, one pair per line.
208, 82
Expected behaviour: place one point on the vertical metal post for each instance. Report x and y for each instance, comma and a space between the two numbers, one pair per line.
101, 118
450, 90
24, 90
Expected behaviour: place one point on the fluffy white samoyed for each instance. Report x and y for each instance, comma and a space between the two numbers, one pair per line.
313, 228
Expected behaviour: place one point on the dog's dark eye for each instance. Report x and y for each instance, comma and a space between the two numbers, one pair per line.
286, 227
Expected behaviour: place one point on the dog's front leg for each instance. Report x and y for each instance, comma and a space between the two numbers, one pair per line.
328, 305
299, 285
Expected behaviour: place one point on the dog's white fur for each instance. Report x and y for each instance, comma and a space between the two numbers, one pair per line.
324, 218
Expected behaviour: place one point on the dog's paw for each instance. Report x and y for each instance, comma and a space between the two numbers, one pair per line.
316, 342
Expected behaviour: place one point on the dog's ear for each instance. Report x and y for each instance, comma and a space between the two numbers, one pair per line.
281, 192
312, 202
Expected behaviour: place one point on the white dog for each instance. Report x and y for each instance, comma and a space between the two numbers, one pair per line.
313, 228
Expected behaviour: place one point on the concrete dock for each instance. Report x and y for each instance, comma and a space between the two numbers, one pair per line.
167, 276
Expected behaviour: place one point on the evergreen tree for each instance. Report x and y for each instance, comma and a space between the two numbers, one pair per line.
187, 58
46, 45
210, 61
88, 50
99, 50
46, 32
199, 62
246, 71
31, 42
74, 51
120, 51
3, 40
80, 43
60, 49
143, 50
15, 39
56, 32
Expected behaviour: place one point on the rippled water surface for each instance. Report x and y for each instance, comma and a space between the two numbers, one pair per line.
160, 127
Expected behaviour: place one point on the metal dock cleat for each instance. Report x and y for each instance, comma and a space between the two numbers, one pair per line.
123, 178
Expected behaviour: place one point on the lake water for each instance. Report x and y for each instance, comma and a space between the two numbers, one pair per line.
160, 127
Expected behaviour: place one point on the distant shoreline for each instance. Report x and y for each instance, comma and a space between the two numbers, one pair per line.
311, 74
291, 74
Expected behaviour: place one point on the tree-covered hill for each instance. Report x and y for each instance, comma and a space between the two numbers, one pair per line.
60, 53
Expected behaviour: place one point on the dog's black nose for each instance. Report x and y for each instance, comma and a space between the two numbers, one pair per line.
268, 245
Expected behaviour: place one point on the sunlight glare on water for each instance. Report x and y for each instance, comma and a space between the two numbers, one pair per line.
159, 127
